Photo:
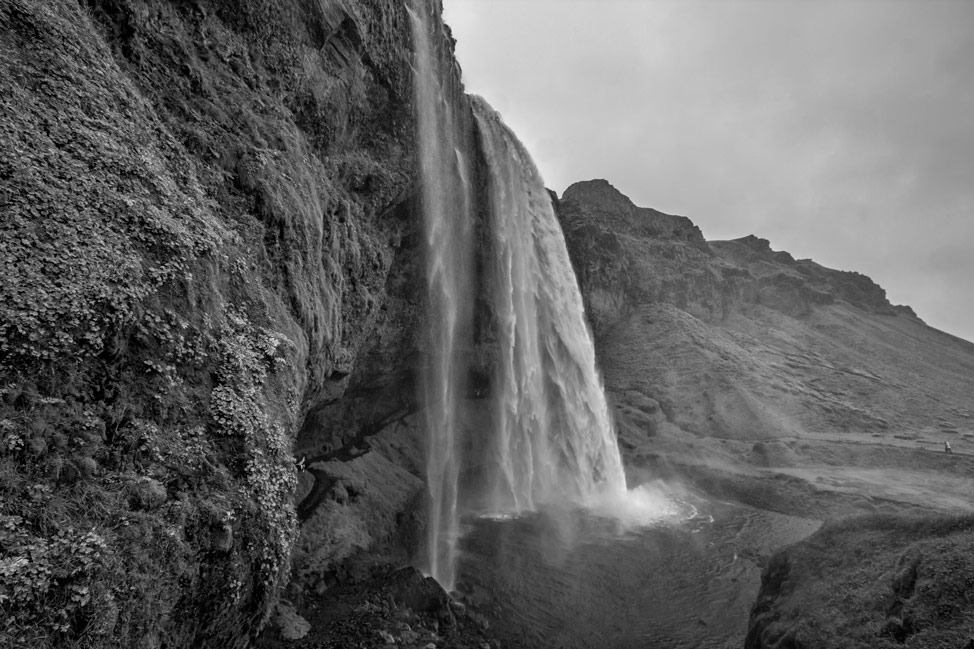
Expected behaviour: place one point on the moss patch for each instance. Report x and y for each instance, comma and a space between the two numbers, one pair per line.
873, 581
198, 221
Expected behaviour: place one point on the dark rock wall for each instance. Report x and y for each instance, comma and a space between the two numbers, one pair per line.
207, 233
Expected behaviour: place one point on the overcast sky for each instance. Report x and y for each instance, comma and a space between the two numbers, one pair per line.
841, 130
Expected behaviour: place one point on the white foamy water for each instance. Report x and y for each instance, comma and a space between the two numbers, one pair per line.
553, 440
651, 504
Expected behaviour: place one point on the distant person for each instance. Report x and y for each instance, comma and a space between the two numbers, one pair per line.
947, 448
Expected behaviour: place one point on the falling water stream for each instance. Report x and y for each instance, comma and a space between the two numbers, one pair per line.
549, 441
446, 207
553, 439
556, 551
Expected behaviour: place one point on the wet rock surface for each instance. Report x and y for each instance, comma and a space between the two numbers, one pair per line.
392, 608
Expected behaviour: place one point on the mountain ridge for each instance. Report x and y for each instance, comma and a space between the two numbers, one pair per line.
607, 205
641, 270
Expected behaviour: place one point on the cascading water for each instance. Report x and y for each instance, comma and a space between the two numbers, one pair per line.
553, 441
446, 207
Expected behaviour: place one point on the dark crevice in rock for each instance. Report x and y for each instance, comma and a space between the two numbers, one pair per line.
354, 448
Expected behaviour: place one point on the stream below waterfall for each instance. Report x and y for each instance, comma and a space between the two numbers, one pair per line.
570, 579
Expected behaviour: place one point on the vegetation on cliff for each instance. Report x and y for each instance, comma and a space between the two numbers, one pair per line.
201, 203
874, 581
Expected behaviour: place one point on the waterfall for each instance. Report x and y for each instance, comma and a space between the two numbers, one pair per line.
550, 440
553, 440
446, 207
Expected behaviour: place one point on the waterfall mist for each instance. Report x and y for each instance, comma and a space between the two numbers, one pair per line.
446, 207
552, 440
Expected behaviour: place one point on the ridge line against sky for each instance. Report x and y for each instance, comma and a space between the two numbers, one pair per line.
840, 130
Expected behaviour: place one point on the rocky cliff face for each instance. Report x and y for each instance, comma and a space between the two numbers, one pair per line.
208, 246
631, 255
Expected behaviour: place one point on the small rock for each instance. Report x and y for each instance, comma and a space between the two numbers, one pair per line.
419, 593
37, 446
222, 539
410, 637
339, 493
387, 637
431, 645
479, 620
291, 625
87, 466
147, 494
894, 628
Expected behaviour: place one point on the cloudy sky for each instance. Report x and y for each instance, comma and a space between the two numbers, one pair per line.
841, 130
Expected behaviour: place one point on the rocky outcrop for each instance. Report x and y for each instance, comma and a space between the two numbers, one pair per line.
625, 255
796, 287
628, 255
207, 246
401, 608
